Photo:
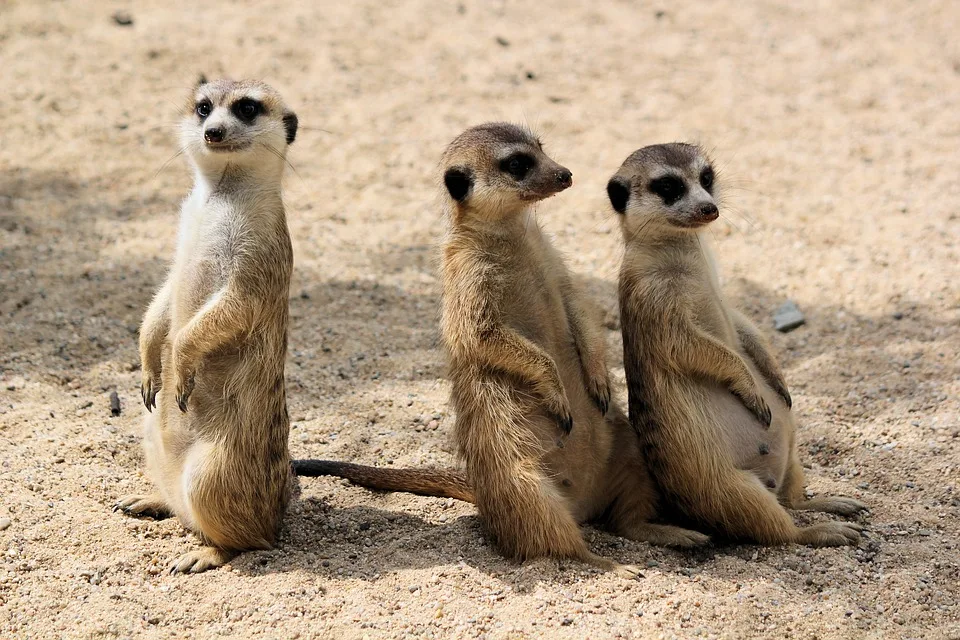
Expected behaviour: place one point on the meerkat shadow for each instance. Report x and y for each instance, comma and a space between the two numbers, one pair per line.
366, 542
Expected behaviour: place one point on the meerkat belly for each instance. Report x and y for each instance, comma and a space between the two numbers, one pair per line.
764, 452
578, 466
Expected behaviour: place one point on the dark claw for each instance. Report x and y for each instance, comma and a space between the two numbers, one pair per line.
763, 415
786, 396
149, 395
761, 411
604, 405
602, 402
184, 395
565, 422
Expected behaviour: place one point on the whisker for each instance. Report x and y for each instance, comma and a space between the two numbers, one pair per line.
303, 128
277, 153
167, 163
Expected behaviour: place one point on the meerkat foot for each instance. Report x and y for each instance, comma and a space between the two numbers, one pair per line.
838, 505
665, 535
151, 506
201, 560
830, 534
627, 571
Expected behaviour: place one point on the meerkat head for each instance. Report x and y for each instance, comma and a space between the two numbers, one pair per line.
232, 122
496, 170
665, 188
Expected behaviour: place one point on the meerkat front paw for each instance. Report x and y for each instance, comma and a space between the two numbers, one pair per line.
559, 409
149, 387
185, 384
184, 377
599, 390
781, 388
758, 407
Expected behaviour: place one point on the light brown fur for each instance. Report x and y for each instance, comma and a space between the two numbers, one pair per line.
706, 396
213, 341
527, 362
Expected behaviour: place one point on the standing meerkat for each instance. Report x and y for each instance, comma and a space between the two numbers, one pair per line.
545, 449
213, 341
706, 396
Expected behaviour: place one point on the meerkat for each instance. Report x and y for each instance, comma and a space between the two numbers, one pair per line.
706, 397
214, 339
545, 448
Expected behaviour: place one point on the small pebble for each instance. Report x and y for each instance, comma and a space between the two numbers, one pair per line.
5, 524
788, 317
123, 18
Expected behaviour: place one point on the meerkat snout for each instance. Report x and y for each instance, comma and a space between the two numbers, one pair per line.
564, 178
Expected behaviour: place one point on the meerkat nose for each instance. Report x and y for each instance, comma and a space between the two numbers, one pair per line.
707, 210
564, 178
213, 134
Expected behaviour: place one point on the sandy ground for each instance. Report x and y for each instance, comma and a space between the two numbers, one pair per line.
836, 122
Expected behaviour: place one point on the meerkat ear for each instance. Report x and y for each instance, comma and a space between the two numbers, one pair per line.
618, 191
202, 80
290, 124
459, 182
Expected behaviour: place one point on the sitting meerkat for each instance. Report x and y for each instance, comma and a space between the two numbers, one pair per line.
544, 446
705, 395
213, 341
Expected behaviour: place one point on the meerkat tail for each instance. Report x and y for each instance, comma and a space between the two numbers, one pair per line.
437, 483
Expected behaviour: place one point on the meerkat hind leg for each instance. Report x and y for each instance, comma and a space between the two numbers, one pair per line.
151, 506
664, 535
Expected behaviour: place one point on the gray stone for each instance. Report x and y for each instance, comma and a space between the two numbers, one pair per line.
788, 317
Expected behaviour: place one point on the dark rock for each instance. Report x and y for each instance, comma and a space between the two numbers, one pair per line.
788, 317
123, 19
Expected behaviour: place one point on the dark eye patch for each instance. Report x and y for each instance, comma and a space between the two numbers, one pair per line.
203, 109
459, 182
247, 109
706, 179
618, 191
669, 188
517, 165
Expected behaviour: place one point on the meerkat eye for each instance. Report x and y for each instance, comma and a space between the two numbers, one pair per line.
518, 165
247, 109
706, 179
204, 108
669, 188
